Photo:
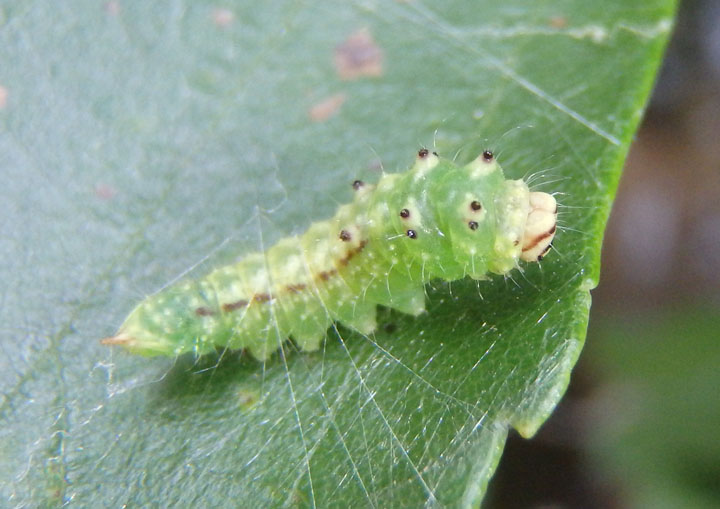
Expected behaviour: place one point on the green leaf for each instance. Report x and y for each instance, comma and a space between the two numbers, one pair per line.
145, 140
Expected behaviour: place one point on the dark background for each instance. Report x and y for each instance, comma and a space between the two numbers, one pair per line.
640, 425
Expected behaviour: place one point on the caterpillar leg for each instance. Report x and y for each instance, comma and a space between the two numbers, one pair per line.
394, 290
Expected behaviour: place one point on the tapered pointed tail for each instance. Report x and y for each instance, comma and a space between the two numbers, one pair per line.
121, 339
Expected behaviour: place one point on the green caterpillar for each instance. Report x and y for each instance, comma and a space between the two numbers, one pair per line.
437, 220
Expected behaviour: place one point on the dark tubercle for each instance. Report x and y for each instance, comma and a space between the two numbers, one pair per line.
473, 225
475, 206
404, 213
358, 184
412, 234
487, 155
423, 153
345, 236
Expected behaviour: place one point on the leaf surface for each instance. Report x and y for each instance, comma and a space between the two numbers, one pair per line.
146, 141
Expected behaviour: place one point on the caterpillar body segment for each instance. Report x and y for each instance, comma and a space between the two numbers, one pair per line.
435, 221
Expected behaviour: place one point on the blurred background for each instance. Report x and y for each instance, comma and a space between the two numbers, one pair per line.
640, 425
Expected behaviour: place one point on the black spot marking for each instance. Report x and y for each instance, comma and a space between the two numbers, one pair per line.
487, 155
412, 234
473, 225
404, 213
345, 236
475, 206
423, 153
436, 154
358, 184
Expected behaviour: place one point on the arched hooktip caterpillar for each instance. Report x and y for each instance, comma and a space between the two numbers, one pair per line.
436, 221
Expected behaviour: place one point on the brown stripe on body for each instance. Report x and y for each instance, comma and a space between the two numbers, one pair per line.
232, 306
294, 288
325, 275
243, 303
351, 254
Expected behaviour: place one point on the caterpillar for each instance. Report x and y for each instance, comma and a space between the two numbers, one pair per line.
436, 221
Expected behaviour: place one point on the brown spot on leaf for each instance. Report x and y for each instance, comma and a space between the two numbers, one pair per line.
558, 22
358, 56
105, 192
222, 18
326, 108
112, 8
203, 311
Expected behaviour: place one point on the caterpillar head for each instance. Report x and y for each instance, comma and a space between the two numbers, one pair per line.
520, 223
540, 227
